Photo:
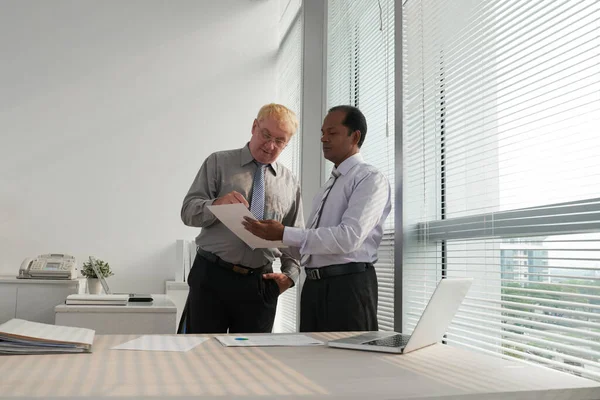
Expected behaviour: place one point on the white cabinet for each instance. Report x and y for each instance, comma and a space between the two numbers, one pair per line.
8, 302
157, 317
33, 299
178, 293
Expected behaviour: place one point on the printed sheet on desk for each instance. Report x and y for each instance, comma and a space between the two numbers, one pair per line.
268, 340
179, 343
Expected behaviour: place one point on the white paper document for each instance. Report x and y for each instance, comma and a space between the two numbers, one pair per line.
162, 343
232, 215
268, 340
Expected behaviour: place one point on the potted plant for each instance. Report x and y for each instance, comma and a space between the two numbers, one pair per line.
93, 283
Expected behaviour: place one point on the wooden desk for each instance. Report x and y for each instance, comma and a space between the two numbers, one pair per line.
212, 371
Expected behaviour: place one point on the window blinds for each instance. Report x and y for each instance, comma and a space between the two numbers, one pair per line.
289, 93
501, 182
360, 72
289, 88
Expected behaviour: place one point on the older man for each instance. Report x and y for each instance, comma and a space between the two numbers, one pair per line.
232, 287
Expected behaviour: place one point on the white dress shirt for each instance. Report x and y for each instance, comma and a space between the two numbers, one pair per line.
351, 224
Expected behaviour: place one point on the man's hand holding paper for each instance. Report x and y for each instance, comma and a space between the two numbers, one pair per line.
268, 229
231, 198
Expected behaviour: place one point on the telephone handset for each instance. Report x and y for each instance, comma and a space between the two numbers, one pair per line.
48, 266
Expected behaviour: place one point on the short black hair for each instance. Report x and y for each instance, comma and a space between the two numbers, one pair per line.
354, 120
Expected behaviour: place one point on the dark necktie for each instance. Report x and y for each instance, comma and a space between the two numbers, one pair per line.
314, 223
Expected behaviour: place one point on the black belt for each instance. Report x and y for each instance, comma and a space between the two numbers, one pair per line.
335, 270
238, 269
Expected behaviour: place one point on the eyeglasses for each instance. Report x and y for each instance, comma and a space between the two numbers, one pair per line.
279, 143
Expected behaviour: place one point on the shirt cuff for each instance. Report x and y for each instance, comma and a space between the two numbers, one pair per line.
294, 275
294, 237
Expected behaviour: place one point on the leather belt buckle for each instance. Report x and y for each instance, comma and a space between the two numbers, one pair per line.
240, 270
313, 273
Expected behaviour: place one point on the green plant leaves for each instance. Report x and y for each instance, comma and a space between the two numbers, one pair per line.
88, 272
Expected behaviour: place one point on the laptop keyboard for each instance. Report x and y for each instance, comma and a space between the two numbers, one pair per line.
392, 341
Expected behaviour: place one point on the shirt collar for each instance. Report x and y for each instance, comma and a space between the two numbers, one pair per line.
349, 163
246, 158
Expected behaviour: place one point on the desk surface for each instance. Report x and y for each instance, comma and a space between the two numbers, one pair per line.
212, 371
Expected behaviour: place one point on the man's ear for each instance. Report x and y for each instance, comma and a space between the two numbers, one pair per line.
356, 137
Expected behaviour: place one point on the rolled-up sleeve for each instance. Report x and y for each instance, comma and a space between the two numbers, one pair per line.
202, 193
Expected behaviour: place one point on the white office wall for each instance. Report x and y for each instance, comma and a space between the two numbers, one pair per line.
108, 109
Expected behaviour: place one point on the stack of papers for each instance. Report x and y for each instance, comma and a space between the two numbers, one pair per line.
268, 340
97, 299
18, 336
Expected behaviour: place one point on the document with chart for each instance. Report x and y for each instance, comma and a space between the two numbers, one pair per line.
267, 340
232, 215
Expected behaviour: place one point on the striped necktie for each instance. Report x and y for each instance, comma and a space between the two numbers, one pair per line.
257, 204
314, 223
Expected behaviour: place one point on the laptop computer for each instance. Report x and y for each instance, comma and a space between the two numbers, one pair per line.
132, 296
430, 329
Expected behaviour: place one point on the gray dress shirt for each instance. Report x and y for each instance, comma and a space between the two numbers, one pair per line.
226, 171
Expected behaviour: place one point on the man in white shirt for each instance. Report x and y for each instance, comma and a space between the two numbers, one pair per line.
339, 246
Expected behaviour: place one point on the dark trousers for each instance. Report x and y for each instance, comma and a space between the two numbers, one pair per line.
340, 303
221, 300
